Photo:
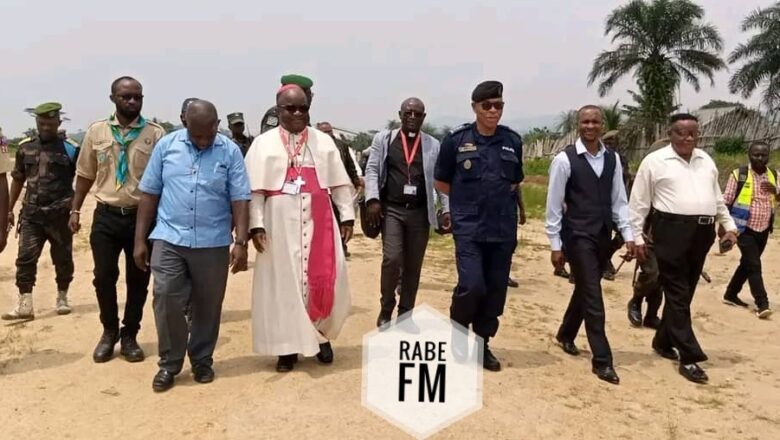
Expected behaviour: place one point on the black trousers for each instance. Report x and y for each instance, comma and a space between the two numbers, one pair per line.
483, 269
681, 248
405, 233
112, 233
33, 235
648, 285
588, 258
751, 245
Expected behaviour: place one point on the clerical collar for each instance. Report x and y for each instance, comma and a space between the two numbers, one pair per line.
409, 134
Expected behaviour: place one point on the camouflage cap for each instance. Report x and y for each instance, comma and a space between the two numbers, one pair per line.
236, 118
48, 110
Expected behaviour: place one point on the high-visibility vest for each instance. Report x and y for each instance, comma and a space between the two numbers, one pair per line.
740, 210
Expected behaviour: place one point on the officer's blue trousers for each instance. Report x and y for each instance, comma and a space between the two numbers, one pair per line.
483, 272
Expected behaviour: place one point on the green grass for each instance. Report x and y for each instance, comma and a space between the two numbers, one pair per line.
537, 167
535, 199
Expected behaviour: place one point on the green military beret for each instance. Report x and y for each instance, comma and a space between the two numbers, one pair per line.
301, 81
48, 110
235, 118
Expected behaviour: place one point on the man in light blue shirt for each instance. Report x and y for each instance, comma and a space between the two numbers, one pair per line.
196, 187
586, 198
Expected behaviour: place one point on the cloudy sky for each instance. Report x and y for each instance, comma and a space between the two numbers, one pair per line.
365, 57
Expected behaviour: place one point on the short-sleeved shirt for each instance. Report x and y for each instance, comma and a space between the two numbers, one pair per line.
483, 173
99, 156
196, 189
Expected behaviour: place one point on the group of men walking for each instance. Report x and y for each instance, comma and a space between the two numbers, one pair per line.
176, 203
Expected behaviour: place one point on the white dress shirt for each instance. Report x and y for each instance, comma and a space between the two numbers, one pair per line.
669, 183
560, 171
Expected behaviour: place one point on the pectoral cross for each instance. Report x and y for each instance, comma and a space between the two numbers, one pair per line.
299, 182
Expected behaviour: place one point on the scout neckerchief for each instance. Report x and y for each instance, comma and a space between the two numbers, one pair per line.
124, 142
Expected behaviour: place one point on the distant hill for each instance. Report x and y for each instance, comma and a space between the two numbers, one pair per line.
520, 125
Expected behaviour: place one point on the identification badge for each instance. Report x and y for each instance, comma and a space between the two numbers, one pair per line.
290, 188
467, 164
410, 190
465, 148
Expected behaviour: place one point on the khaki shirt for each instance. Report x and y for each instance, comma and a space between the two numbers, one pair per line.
5, 163
99, 156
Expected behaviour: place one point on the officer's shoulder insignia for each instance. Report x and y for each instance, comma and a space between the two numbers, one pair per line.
465, 148
512, 133
155, 124
460, 128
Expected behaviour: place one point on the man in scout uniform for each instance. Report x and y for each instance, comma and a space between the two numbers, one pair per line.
237, 126
47, 165
751, 194
114, 155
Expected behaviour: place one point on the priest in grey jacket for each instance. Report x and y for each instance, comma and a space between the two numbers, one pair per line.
401, 198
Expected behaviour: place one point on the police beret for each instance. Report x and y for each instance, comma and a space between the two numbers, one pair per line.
487, 90
48, 110
235, 118
187, 103
301, 81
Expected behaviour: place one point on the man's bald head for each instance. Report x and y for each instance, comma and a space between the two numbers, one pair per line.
412, 115
202, 123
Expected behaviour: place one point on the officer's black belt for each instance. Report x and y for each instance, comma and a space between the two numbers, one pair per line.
102, 207
704, 220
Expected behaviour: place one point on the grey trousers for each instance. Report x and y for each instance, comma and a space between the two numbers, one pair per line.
404, 240
183, 275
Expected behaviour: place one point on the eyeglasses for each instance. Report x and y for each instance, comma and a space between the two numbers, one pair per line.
413, 114
296, 108
130, 97
487, 105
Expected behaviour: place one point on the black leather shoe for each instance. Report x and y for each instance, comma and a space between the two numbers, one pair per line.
569, 347
666, 353
513, 284
130, 349
203, 373
489, 361
733, 300
694, 373
561, 272
163, 381
607, 374
635, 312
383, 320
652, 322
326, 353
104, 350
286, 363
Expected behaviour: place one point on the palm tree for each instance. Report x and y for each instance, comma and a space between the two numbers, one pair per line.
661, 42
567, 122
761, 57
613, 116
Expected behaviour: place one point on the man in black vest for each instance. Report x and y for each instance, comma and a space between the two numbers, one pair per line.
588, 179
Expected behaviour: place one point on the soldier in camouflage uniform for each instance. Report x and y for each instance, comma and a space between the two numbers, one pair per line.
647, 287
47, 165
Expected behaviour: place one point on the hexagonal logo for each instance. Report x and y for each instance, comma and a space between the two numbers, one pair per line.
423, 372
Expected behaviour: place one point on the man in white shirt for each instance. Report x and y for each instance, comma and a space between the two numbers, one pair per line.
679, 183
588, 178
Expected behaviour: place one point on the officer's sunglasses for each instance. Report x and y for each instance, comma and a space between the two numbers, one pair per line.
412, 113
296, 108
487, 105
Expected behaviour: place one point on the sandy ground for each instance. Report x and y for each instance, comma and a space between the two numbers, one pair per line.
49, 386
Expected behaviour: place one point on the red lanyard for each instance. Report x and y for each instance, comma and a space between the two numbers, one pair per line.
293, 153
409, 156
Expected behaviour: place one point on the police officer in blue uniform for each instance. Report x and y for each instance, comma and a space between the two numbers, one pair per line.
480, 167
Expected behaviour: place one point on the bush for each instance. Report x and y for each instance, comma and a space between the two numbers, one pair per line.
730, 145
536, 167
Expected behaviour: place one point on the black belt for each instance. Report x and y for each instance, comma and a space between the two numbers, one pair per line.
703, 220
408, 205
102, 207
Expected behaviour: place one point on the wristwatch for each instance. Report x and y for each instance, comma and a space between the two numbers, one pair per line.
243, 242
